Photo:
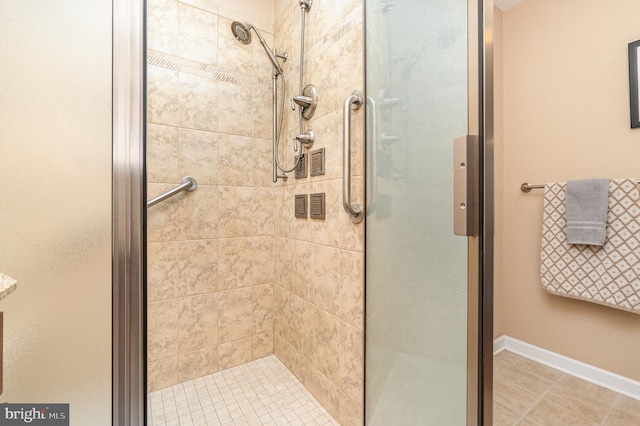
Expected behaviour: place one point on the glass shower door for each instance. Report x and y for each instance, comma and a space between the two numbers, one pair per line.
416, 268
55, 211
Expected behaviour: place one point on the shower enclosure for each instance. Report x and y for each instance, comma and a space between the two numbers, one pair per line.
239, 272
231, 275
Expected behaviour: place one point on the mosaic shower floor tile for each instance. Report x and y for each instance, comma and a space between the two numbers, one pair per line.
261, 392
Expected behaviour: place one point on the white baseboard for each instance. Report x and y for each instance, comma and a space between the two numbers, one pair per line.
499, 345
589, 373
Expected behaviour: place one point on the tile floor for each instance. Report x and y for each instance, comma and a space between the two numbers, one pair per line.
261, 392
530, 394
265, 392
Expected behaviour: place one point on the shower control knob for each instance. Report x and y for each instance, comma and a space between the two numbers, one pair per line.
307, 101
303, 101
305, 138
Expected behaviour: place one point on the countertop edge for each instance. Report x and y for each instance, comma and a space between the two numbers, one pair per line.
7, 285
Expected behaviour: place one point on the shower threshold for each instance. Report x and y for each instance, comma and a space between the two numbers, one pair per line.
261, 392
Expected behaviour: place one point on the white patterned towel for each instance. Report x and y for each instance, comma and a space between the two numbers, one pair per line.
608, 275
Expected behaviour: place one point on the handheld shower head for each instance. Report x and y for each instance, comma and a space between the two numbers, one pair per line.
242, 33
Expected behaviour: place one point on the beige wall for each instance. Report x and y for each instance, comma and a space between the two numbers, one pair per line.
55, 219
498, 302
566, 116
210, 252
319, 263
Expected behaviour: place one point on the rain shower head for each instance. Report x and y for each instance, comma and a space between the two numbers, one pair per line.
242, 33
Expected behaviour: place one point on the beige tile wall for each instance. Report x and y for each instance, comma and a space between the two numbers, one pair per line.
211, 270
215, 286
319, 263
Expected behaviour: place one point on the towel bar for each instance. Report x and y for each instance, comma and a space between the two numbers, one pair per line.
527, 187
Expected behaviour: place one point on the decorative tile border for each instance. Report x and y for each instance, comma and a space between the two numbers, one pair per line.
164, 60
347, 24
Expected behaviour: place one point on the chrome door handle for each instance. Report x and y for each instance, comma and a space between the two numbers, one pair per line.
353, 101
465, 185
372, 170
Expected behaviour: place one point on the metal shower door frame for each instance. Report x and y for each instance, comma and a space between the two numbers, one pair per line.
128, 215
480, 246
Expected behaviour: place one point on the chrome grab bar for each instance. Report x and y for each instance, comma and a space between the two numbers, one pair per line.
188, 184
353, 101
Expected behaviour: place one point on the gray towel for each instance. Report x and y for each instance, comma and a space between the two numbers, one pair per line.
586, 205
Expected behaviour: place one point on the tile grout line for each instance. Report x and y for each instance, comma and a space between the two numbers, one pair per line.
607, 413
538, 400
608, 416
